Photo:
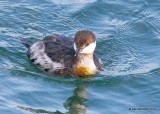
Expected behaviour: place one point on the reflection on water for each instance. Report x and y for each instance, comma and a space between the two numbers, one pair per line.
74, 104
128, 42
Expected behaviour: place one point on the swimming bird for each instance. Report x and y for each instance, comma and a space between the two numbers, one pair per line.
58, 54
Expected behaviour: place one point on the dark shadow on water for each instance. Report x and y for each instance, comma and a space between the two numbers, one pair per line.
74, 104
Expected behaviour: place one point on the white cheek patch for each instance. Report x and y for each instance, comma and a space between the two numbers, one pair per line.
75, 48
90, 48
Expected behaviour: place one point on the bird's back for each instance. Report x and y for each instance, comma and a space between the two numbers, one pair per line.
54, 54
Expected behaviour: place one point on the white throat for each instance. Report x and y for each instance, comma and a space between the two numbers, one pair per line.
88, 49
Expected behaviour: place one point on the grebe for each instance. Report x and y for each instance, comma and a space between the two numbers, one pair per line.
62, 55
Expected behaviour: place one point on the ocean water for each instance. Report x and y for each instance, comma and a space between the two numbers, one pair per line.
128, 42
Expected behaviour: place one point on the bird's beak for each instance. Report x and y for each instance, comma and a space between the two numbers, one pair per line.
77, 52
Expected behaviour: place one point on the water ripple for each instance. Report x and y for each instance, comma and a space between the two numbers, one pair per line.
128, 34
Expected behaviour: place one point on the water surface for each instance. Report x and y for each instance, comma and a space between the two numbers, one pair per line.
128, 42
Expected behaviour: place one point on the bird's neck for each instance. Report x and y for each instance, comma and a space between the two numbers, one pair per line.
83, 56
84, 65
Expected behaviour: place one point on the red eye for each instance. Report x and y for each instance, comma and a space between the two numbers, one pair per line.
86, 44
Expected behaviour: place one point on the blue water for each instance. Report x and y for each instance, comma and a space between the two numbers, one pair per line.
128, 42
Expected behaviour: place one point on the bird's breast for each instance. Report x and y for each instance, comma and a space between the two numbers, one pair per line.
82, 70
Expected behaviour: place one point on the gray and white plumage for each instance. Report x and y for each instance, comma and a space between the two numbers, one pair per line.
56, 54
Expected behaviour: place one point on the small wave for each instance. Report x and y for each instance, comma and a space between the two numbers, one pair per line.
69, 2
5, 64
9, 32
115, 22
121, 69
4, 44
152, 17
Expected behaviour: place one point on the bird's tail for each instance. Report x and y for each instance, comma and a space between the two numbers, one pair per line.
26, 41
